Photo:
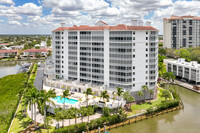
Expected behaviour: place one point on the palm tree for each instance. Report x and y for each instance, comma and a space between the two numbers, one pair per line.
69, 115
87, 93
47, 122
170, 77
58, 115
105, 97
46, 97
144, 88
83, 112
128, 98
66, 94
90, 111
119, 93
151, 92
35, 100
140, 94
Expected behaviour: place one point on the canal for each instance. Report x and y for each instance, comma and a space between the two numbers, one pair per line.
11, 67
182, 121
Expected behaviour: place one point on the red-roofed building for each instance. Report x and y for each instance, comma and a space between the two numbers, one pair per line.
107, 56
7, 53
34, 52
181, 31
4, 44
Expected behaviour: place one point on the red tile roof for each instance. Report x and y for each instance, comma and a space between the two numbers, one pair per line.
8, 51
2, 44
118, 27
181, 17
37, 50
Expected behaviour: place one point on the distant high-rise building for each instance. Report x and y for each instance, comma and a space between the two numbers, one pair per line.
181, 31
111, 56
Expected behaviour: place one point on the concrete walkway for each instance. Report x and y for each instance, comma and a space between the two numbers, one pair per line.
40, 117
186, 85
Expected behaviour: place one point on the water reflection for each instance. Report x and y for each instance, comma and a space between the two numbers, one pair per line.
181, 121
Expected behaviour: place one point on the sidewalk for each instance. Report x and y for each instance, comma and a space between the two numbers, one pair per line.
40, 117
186, 85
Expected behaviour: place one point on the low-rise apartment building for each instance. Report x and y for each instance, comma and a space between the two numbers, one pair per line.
34, 52
182, 69
7, 53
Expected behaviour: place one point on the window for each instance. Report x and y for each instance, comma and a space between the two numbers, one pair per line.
146, 49
133, 73
146, 44
62, 52
146, 38
146, 66
146, 77
133, 32
133, 50
62, 71
133, 38
133, 44
62, 66
133, 79
133, 67
62, 47
146, 61
133, 56
62, 57
62, 32
133, 85
62, 61
62, 37
146, 72
62, 42
146, 55
146, 32
146, 83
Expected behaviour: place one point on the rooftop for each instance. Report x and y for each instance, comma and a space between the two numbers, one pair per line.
117, 27
173, 17
182, 62
8, 51
37, 50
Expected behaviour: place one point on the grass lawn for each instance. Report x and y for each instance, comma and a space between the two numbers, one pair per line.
10, 87
139, 108
20, 122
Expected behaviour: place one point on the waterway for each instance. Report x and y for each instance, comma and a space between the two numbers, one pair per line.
11, 67
181, 121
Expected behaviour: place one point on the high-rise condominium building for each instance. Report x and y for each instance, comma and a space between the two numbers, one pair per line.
181, 31
111, 56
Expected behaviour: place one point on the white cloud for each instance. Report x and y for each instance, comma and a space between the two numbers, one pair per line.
8, 2
29, 9
1, 21
14, 22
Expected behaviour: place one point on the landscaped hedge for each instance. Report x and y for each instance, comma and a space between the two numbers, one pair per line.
163, 106
94, 124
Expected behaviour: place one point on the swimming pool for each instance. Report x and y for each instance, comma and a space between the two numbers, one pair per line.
61, 100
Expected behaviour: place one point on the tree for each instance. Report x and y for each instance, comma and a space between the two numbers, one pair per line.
145, 88
35, 100
195, 55
105, 97
87, 93
69, 115
183, 53
170, 77
170, 52
166, 94
162, 51
119, 93
66, 94
128, 98
90, 111
58, 115
140, 94
151, 92
47, 122
83, 112
46, 97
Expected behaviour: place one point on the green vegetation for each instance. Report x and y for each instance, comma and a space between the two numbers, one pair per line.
161, 66
190, 54
173, 102
10, 90
49, 42
94, 124
139, 108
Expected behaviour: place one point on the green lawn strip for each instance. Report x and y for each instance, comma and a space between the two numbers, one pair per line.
10, 88
139, 108
20, 122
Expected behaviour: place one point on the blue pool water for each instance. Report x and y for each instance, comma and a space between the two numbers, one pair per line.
61, 100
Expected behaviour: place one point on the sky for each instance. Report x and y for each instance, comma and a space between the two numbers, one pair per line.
43, 16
